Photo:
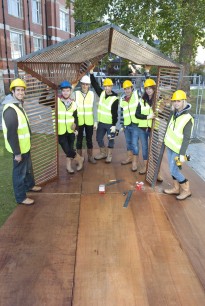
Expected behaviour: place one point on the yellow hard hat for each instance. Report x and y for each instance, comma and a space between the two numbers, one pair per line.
17, 82
178, 95
127, 84
107, 82
149, 83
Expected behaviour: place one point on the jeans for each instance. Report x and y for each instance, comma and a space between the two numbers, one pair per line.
144, 137
23, 179
173, 168
132, 138
88, 134
67, 143
104, 128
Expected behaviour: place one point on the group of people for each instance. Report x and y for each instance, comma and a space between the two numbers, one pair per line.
75, 118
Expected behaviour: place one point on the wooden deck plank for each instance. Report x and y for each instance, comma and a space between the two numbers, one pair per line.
131, 256
37, 252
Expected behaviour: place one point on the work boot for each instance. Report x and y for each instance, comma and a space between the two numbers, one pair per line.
144, 168
128, 160
109, 156
27, 201
91, 159
135, 163
102, 154
79, 161
79, 151
68, 165
185, 191
174, 190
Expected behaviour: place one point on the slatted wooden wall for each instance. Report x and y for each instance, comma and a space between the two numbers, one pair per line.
168, 81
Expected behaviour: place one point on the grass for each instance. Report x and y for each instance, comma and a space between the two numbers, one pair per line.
7, 200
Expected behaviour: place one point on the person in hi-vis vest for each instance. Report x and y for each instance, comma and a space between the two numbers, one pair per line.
17, 136
67, 123
107, 116
145, 115
84, 99
176, 140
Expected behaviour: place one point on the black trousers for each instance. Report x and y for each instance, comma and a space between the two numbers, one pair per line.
88, 134
67, 144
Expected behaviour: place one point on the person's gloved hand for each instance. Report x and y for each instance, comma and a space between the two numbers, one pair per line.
113, 129
151, 116
73, 126
95, 126
76, 133
182, 158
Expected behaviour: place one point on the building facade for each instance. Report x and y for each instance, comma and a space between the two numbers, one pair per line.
30, 25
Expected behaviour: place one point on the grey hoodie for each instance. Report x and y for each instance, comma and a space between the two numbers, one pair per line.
11, 121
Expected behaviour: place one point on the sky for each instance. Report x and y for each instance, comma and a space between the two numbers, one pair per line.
200, 58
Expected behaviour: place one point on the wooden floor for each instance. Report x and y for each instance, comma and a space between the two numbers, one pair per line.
77, 247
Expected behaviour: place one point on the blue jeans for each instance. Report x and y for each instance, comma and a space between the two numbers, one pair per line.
173, 168
144, 137
132, 138
23, 179
104, 128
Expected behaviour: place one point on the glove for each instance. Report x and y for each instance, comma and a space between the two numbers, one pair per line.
182, 158
95, 126
113, 129
75, 132
73, 126
151, 116
91, 70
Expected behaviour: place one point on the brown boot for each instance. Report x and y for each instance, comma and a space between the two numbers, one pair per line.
144, 168
109, 156
90, 156
185, 191
135, 163
174, 190
102, 154
79, 151
68, 165
128, 160
79, 161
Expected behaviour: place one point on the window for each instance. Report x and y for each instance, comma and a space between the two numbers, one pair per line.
64, 21
15, 8
36, 11
37, 43
17, 44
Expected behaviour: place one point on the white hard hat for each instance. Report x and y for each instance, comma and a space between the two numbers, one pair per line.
85, 79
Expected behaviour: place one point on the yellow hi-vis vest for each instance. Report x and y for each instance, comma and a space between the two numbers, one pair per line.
174, 135
104, 108
129, 109
65, 117
146, 109
85, 107
23, 131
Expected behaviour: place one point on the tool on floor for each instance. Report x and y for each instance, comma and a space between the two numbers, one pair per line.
129, 194
179, 163
111, 182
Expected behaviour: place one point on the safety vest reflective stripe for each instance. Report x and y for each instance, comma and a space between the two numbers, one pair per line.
129, 109
174, 135
104, 108
65, 117
85, 107
146, 110
22, 130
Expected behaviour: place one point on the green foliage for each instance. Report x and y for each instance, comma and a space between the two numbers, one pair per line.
7, 201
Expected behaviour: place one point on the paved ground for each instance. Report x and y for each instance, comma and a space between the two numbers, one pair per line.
197, 162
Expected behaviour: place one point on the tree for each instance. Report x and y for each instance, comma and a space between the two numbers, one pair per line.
178, 25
